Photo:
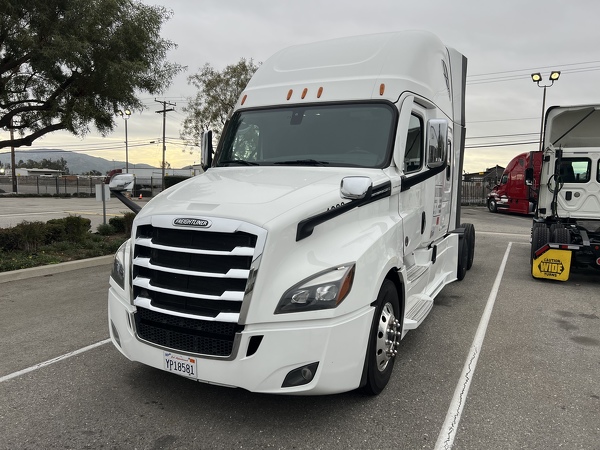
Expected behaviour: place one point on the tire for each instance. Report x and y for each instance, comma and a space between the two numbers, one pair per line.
540, 236
386, 331
463, 258
470, 235
561, 236
492, 205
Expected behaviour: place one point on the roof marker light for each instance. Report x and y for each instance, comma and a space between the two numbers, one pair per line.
320, 92
304, 92
244, 99
290, 92
381, 89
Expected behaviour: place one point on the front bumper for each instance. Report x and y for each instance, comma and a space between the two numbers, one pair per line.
338, 345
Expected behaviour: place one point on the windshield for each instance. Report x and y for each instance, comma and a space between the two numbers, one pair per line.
357, 135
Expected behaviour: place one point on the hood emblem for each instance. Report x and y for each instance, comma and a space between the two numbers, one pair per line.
189, 222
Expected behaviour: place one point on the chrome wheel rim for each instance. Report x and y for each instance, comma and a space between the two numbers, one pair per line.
388, 337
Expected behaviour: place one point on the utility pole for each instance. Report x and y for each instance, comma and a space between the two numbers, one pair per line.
164, 112
12, 158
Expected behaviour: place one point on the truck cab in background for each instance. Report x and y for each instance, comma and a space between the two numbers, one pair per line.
513, 194
566, 225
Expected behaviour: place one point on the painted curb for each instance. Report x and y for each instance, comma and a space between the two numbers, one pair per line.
51, 269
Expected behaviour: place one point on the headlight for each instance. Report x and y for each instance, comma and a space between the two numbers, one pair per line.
118, 268
325, 290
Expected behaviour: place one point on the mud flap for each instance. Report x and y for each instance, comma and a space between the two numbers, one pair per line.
552, 264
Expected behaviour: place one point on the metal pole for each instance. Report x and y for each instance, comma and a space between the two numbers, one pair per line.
12, 160
542, 125
126, 150
164, 151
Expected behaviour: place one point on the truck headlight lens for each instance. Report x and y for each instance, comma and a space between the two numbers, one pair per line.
325, 290
118, 268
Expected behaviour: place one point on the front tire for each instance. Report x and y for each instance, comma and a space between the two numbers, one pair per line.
492, 205
386, 331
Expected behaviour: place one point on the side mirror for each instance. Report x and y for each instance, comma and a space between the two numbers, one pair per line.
529, 176
355, 188
206, 152
122, 182
437, 142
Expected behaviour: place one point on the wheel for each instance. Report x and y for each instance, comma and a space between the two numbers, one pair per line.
540, 236
470, 235
463, 257
492, 205
386, 331
561, 235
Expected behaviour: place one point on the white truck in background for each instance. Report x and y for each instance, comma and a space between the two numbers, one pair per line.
566, 225
321, 233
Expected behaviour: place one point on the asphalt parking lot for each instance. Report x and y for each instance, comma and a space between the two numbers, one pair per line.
502, 362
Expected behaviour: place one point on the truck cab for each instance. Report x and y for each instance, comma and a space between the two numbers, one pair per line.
321, 231
513, 194
566, 226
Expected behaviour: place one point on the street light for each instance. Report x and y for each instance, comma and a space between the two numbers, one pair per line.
537, 78
125, 115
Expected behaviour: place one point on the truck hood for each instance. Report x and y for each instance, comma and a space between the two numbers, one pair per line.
257, 194
573, 127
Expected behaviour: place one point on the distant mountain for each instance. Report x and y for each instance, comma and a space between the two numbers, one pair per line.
77, 163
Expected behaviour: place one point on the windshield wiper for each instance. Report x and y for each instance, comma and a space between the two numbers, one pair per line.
241, 162
303, 162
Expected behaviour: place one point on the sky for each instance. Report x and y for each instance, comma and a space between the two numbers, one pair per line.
504, 41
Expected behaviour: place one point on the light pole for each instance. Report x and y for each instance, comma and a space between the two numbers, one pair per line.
537, 77
125, 115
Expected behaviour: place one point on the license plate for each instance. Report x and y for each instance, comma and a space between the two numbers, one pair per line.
180, 364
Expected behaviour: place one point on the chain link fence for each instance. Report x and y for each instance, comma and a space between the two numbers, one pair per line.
72, 185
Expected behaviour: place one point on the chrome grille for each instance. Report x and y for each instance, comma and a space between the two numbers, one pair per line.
185, 278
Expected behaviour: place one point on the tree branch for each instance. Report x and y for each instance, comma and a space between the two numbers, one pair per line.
28, 140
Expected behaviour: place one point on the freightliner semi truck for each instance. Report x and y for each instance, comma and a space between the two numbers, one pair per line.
566, 225
512, 194
325, 225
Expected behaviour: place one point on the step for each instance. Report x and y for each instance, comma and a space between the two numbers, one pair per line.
418, 311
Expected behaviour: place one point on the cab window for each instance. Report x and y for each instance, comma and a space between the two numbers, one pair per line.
575, 170
413, 155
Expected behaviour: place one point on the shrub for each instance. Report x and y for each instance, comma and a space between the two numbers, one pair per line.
9, 240
56, 230
76, 227
105, 229
118, 223
30, 235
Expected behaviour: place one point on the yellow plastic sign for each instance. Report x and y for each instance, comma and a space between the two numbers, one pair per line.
553, 265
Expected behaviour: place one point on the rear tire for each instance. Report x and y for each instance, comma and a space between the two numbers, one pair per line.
463, 257
470, 235
386, 330
561, 236
540, 236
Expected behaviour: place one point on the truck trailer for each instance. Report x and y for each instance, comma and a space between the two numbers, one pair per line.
566, 224
513, 195
327, 221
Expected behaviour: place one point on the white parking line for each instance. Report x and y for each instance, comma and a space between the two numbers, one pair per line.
52, 361
448, 432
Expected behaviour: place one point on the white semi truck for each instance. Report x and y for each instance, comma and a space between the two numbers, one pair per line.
566, 225
321, 232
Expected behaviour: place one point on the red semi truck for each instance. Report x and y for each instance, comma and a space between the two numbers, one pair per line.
513, 194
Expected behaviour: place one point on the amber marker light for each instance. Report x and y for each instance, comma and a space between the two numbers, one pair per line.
381, 89
346, 285
290, 92
319, 92
304, 92
244, 99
